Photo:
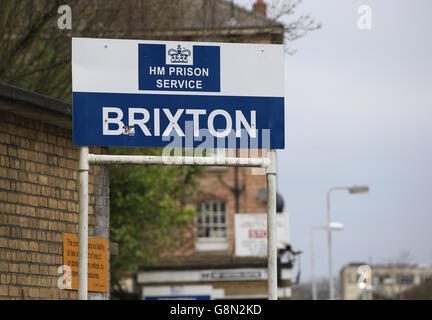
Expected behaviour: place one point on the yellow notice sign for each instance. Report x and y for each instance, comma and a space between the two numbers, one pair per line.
97, 261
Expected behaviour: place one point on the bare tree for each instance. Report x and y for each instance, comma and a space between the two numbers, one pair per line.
297, 27
35, 54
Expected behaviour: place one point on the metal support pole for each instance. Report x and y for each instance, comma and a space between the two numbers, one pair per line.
330, 255
178, 160
268, 163
314, 287
83, 224
271, 227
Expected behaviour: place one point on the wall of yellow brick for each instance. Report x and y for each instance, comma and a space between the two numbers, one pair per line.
38, 203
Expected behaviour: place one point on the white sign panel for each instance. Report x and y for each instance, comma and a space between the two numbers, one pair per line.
150, 93
251, 233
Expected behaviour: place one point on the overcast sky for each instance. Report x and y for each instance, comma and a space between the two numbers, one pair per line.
359, 111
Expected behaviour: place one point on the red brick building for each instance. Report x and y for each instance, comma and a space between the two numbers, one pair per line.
209, 266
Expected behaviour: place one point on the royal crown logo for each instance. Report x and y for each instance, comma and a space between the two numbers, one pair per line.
179, 55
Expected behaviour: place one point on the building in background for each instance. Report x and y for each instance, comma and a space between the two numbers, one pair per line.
390, 281
189, 20
226, 257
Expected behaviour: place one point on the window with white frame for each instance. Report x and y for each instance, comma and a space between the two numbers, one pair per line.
211, 225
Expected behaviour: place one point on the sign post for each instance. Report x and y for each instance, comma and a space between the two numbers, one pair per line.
83, 224
178, 95
271, 227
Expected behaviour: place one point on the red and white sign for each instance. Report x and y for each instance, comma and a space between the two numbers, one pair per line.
251, 233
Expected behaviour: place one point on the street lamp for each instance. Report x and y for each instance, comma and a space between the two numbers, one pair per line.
331, 226
351, 190
358, 189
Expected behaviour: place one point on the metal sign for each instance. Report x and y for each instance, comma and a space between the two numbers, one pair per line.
178, 94
251, 233
97, 262
234, 275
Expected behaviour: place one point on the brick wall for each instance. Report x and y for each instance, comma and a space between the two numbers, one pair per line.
39, 202
211, 187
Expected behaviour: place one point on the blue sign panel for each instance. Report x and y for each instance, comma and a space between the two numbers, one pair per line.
172, 70
103, 119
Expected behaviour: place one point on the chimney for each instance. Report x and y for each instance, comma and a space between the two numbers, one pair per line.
260, 7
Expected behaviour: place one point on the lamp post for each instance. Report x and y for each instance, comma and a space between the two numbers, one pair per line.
331, 226
351, 190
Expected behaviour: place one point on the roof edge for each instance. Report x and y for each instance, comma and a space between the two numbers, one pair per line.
25, 96
272, 23
185, 267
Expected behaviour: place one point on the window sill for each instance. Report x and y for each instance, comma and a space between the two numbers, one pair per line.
211, 244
